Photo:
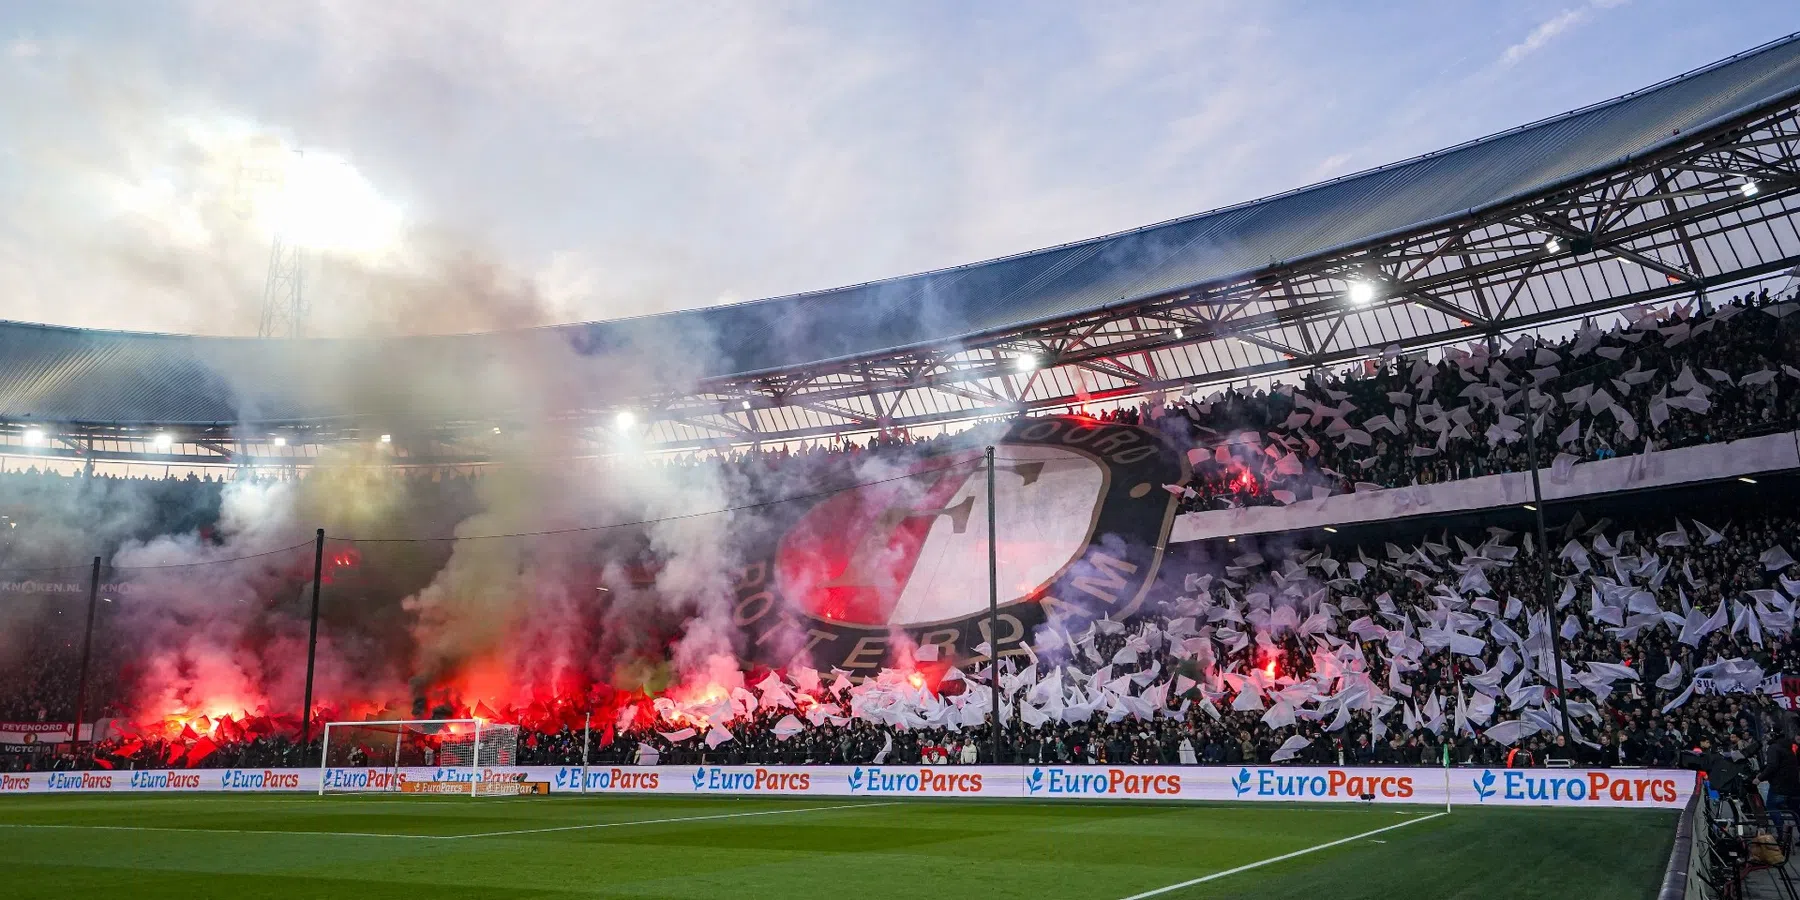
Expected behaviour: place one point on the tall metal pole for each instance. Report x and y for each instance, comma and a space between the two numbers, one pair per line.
1534, 418
993, 604
87, 649
312, 640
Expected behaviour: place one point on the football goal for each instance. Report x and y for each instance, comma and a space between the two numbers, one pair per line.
429, 756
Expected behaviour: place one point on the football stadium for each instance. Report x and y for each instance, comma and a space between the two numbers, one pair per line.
1420, 533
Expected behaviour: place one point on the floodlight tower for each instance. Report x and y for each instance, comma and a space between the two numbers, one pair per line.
323, 208
284, 305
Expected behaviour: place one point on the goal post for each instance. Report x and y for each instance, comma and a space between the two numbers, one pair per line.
373, 755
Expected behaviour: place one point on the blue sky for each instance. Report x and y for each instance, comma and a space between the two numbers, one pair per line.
551, 161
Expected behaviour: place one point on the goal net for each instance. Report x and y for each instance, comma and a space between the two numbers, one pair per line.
387, 756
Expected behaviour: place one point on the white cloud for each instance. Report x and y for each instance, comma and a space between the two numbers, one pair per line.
1552, 28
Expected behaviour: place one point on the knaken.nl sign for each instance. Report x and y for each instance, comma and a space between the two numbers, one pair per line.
1568, 788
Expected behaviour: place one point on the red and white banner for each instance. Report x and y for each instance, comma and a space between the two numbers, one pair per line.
1574, 788
37, 732
32, 733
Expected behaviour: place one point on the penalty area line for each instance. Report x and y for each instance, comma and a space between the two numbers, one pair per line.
733, 815
1275, 859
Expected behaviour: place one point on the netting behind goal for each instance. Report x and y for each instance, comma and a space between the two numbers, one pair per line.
493, 745
364, 757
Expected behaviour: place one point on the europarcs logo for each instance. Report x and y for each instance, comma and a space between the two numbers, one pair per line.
1532, 786
1279, 784
924, 780
569, 778
719, 778
1055, 781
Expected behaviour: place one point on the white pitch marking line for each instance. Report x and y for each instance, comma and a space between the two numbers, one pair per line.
735, 815
1275, 859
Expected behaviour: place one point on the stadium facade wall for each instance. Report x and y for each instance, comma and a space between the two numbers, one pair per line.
1570, 788
1685, 465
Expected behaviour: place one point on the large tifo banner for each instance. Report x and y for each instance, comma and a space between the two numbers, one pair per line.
1589, 788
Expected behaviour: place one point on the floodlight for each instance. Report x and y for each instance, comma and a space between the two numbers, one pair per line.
164, 440
1361, 292
625, 419
280, 441
1553, 246
1749, 189
1179, 334
1025, 363
387, 438
34, 437
746, 404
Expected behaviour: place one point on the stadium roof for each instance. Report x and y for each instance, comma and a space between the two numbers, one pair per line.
53, 374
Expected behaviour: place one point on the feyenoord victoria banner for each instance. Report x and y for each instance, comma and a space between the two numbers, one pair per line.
33, 733
1081, 517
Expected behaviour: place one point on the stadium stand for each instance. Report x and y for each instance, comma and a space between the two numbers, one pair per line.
1692, 601
1396, 642
1426, 425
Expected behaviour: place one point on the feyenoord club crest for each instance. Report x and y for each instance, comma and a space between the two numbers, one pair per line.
1081, 517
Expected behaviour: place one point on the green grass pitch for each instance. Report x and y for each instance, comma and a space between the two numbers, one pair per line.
391, 847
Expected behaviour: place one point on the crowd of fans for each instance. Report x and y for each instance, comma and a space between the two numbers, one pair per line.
1648, 719
1373, 427
1626, 725
1460, 417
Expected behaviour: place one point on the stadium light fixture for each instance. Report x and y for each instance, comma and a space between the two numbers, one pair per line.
1361, 293
1749, 189
1330, 530
34, 437
1024, 363
1746, 479
496, 429
746, 404
387, 438
163, 440
624, 420
1553, 246
1179, 334
1530, 507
